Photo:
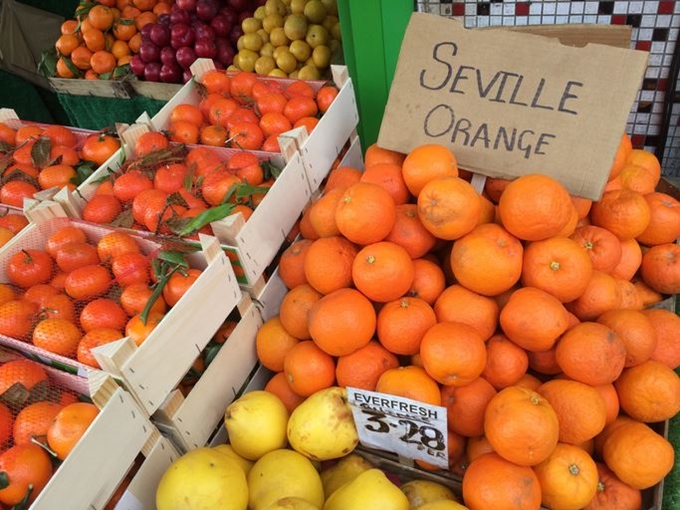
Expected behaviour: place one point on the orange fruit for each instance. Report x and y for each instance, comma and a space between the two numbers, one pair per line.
603, 247
33, 421
660, 268
602, 294
636, 331
390, 177
623, 212
521, 426
491, 481
580, 409
362, 368
453, 353
138, 330
591, 353
295, 307
487, 260
291, 263
428, 280
57, 336
664, 223
410, 233
328, 263
558, 266
449, 207
342, 321
631, 258
667, 327
613, 493
365, 213
342, 177
534, 207
506, 362
272, 343
402, 323
649, 392
95, 338
382, 271
458, 304
279, 386
409, 382
68, 426
102, 313
426, 163
466, 405
308, 368
568, 477
375, 155
533, 319
28, 468
629, 445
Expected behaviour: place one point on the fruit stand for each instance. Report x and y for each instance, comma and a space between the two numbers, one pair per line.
324, 255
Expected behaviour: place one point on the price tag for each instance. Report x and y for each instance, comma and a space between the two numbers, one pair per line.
406, 427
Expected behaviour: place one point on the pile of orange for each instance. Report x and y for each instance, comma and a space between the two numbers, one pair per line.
40, 423
523, 310
11, 223
76, 292
165, 186
245, 111
103, 37
35, 157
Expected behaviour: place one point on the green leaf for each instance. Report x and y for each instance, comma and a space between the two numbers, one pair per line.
48, 63
174, 258
121, 71
105, 76
270, 170
4, 480
157, 291
77, 73
124, 219
210, 352
125, 21
40, 152
6, 147
83, 9
83, 171
206, 217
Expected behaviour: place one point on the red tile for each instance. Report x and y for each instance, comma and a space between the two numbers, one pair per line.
638, 140
522, 9
458, 9
662, 84
643, 45
619, 19
665, 7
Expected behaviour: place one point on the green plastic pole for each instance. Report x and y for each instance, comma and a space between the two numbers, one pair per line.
372, 31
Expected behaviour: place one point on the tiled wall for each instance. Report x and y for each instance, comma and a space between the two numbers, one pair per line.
655, 23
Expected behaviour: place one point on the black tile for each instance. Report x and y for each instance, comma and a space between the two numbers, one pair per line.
634, 20
652, 140
644, 107
650, 84
605, 7
660, 34
446, 1
483, 9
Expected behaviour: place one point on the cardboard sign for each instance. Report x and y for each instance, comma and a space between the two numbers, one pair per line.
400, 425
509, 103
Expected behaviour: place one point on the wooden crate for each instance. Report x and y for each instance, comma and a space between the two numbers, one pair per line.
104, 454
252, 245
320, 148
140, 494
152, 90
192, 419
119, 89
153, 369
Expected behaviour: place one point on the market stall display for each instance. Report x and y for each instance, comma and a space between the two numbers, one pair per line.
437, 321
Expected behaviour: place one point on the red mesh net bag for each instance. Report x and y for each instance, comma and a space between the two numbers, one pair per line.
36, 402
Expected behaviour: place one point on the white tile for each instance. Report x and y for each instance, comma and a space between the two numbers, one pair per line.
590, 18
620, 7
650, 7
635, 7
591, 7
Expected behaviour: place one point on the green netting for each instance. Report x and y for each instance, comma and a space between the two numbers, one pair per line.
64, 8
671, 489
92, 112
